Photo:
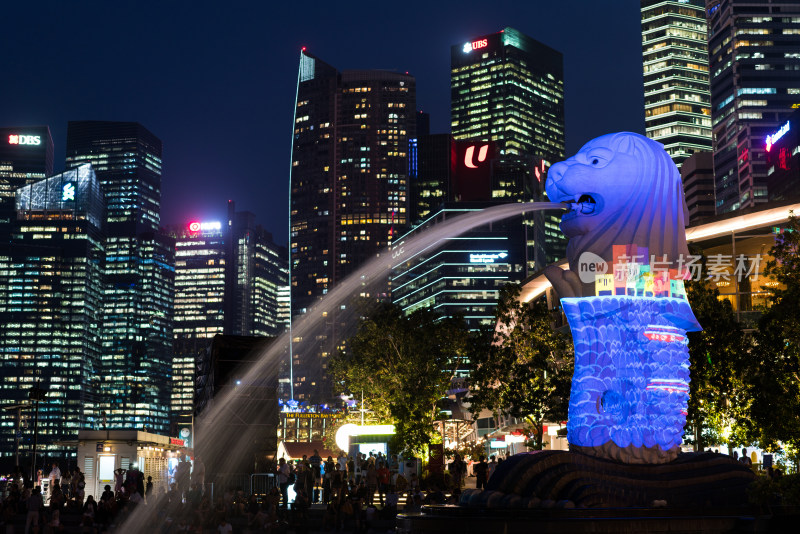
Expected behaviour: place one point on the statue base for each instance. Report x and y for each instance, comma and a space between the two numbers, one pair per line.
568, 479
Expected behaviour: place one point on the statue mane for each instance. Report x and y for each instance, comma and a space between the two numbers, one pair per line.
656, 215
640, 202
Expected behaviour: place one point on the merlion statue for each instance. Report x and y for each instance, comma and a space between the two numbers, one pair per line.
624, 298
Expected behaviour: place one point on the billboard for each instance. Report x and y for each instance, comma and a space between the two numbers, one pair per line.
472, 170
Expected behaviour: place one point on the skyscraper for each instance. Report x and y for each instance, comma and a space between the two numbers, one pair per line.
51, 307
229, 278
26, 156
508, 89
349, 183
676, 89
199, 307
139, 272
257, 271
754, 60
465, 273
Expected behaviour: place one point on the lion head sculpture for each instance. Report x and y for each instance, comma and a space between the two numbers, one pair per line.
624, 189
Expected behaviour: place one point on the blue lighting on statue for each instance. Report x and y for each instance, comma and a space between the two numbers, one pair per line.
631, 382
630, 390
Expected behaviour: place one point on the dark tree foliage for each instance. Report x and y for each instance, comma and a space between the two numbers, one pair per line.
718, 355
526, 370
775, 367
404, 365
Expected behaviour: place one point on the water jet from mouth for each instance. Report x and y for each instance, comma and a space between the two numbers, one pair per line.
227, 451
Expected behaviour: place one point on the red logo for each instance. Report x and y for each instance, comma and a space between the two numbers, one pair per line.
194, 226
13, 139
481, 43
468, 161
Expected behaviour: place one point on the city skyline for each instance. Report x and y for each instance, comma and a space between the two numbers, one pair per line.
225, 128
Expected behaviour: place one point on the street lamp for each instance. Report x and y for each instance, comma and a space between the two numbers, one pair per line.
36, 394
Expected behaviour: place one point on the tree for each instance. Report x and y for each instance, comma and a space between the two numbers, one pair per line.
718, 355
775, 373
526, 370
403, 364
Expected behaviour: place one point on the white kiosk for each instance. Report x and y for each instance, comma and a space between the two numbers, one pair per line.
101, 452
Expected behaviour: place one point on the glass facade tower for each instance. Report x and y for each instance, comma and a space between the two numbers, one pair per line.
754, 60
508, 89
676, 88
229, 280
51, 294
349, 186
26, 156
139, 272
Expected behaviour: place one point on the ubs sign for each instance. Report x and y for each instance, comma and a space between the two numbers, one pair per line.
475, 45
17, 139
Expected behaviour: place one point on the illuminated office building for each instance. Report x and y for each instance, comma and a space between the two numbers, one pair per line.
229, 279
26, 156
431, 162
139, 272
51, 309
676, 90
754, 61
349, 186
465, 274
508, 89
697, 176
199, 306
783, 161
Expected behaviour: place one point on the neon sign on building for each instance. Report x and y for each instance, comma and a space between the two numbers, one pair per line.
16, 139
772, 139
197, 226
68, 192
487, 258
468, 156
475, 45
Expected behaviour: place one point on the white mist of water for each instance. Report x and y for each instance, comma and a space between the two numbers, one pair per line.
222, 452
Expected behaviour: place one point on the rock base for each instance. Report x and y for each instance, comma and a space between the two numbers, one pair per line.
568, 479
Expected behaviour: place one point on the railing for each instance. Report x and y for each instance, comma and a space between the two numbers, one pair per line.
257, 484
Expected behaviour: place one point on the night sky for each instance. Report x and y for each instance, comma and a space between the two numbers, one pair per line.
216, 80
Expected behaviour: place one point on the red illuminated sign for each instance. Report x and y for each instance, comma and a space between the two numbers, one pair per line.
476, 45
176, 441
468, 156
16, 139
472, 170
209, 226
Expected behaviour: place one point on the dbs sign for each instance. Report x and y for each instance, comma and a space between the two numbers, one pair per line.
473, 170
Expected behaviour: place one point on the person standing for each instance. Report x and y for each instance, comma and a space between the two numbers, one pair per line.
35, 505
372, 482
55, 477
457, 470
199, 473
492, 467
66, 483
119, 480
283, 472
481, 470
384, 479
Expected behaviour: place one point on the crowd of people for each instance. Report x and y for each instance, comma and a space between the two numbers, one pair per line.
354, 492
65, 495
